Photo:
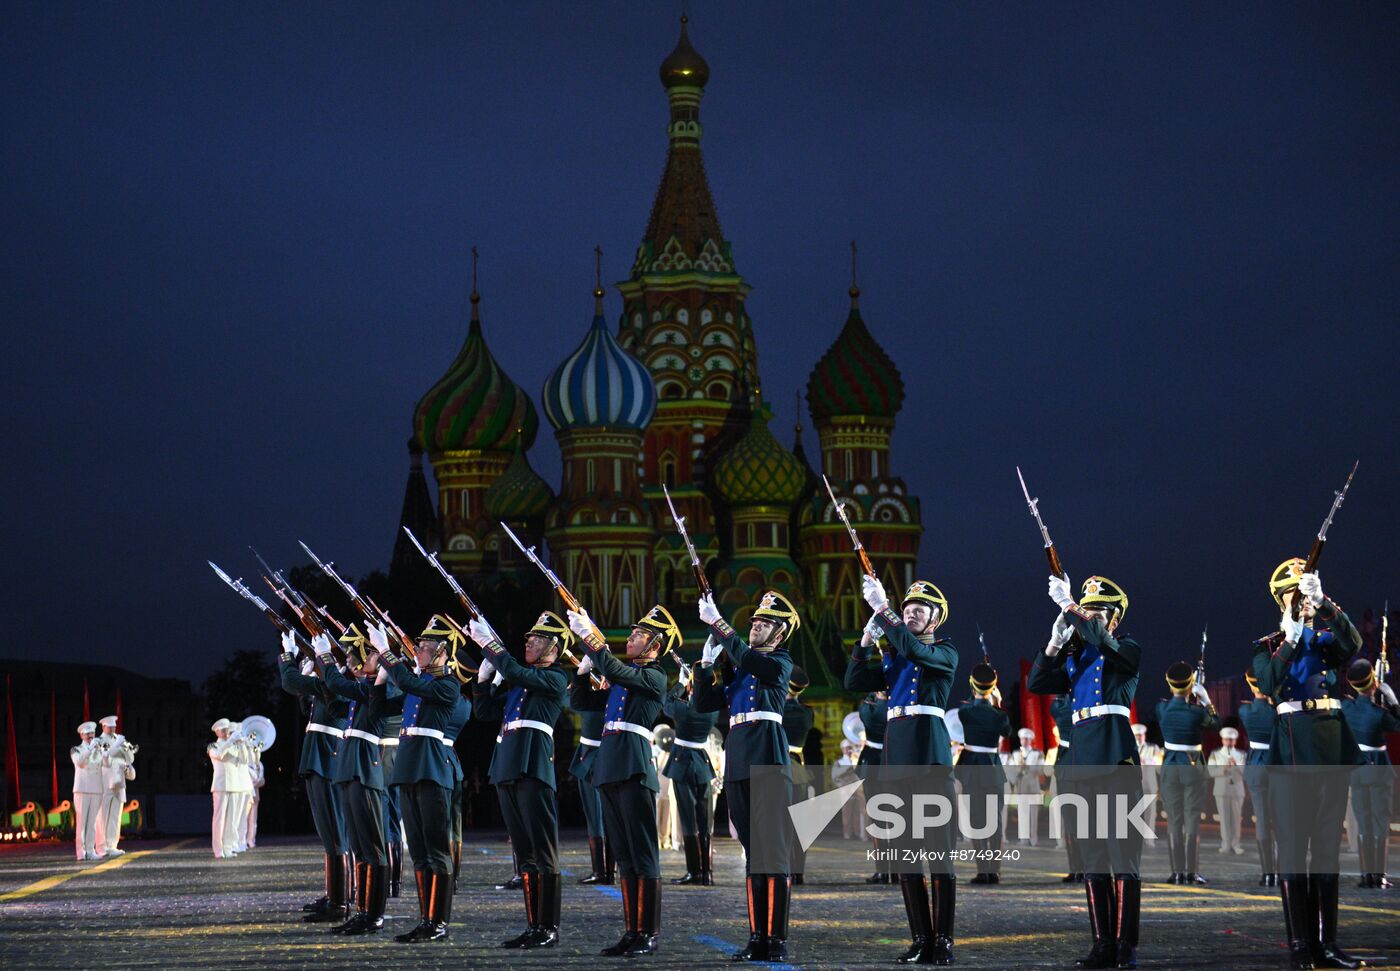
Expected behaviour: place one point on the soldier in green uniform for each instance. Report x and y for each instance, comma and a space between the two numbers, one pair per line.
328, 717
426, 769
1258, 718
979, 768
691, 774
1311, 756
1371, 715
797, 725
754, 696
1184, 777
623, 769
359, 775
590, 722
1062, 710
1098, 667
528, 701
918, 670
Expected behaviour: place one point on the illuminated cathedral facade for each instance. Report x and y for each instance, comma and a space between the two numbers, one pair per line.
669, 393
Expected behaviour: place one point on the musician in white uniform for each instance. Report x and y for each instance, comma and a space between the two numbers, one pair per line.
1025, 769
1226, 767
87, 791
116, 761
223, 754
259, 779
238, 780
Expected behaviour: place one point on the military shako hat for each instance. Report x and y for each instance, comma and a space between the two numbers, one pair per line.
356, 644
774, 606
1285, 578
1103, 592
1361, 675
1250, 679
984, 678
441, 629
551, 624
658, 620
798, 680
923, 592
1181, 676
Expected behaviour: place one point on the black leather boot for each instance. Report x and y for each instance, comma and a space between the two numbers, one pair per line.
917, 909
1297, 915
1193, 862
336, 908
707, 861
692, 860
376, 898
648, 936
322, 902
943, 893
456, 863
595, 857
1099, 893
357, 918
1378, 861
1326, 953
779, 901
530, 881
1363, 852
514, 883
756, 886
420, 880
630, 904
1127, 907
1266, 863
439, 906
549, 888
395, 868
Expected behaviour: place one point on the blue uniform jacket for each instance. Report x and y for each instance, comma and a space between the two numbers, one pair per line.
760, 684
360, 758
328, 710
434, 712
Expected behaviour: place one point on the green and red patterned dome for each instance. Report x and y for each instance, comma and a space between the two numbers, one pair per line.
519, 493
855, 376
758, 470
474, 405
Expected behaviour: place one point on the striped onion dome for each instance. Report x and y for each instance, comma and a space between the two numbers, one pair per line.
474, 405
758, 470
519, 492
855, 376
600, 385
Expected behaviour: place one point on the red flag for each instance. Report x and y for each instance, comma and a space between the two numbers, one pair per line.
11, 747
1035, 711
53, 745
87, 708
119, 710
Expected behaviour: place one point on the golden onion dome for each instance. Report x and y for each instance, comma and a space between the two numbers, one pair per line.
684, 65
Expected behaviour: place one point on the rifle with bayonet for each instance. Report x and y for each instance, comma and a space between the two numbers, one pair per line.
700, 578
302, 609
1382, 663
986, 657
278, 621
371, 615
1315, 554
851, 530
1201, 661
1056, 567
305, 602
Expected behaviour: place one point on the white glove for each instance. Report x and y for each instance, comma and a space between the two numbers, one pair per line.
1310, 586
308, 668
1292, 628
321, 644
1199, 690
483, 673
481, 632
709, 613
1388, 693
289, 643
379, 637
580, 623
874, 593
710, 652
498, 679
873, 630
1060, 592
683, 676
382, 677
1060, 633
585, 665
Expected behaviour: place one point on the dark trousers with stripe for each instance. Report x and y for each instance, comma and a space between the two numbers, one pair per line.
1256, 781
1183, 794
739, 797
629, 819
592, 808
693, 806
1120, 853
531, 812
326, 814
1309, 804
1372, 795
427, 816
364, 821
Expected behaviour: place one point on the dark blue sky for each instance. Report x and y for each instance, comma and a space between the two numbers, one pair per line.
1148, 252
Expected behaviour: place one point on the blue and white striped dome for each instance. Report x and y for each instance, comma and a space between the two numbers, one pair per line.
600, 384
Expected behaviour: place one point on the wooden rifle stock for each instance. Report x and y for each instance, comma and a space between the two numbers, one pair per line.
1056, 567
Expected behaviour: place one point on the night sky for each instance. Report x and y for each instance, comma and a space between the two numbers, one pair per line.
1147, 252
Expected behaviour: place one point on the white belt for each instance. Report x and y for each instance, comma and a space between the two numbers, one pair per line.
796, 749
1259, 746
870, 744
1370, 748
390, 740
1313, 704
684, 744
909, 711
427, 733
646, 733
324, 729
1063, 745
590, 742
1174, 747
527, 723
356, 733
1098, 710
743, 718
984, 749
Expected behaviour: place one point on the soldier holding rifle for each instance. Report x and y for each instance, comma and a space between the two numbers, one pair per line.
1183, 786
1371, 715
691, 774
